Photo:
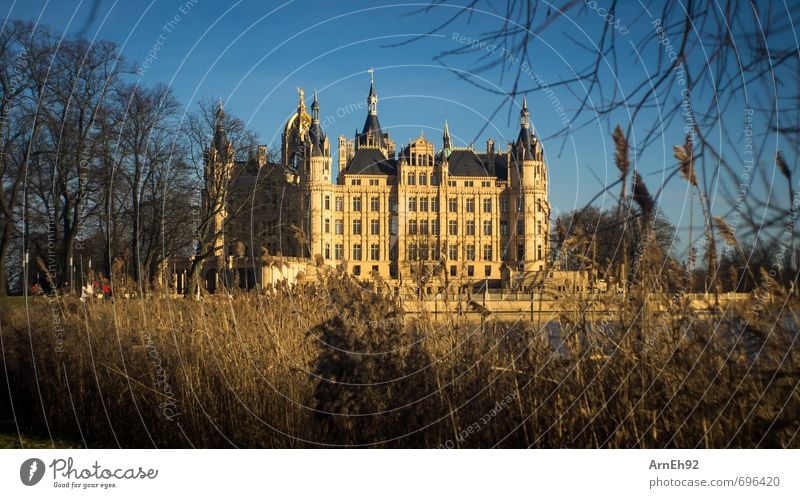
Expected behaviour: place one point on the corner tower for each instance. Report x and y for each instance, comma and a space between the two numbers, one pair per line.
535, 208
217, 176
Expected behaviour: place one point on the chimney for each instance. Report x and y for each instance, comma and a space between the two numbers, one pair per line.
490, 147
262, 155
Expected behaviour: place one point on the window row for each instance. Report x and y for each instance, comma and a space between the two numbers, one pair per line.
422, 204
355, 254
422, 179
423, 251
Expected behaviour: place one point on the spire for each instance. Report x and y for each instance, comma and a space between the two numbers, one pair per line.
220, 139
372, 98
315, 132
371, 135
219, 116
315, 108
524, 116
446, 137
525, 138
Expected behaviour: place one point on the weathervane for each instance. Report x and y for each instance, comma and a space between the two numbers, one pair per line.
371, 75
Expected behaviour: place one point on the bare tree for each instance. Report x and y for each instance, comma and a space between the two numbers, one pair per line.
232, 142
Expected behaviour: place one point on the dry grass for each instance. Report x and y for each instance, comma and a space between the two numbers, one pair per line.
336, 365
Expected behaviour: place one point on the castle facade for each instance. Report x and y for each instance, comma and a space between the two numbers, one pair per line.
415, 213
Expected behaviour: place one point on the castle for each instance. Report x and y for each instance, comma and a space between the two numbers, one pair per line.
409, 215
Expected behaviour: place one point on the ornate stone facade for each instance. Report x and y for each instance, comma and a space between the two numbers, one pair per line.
416, 214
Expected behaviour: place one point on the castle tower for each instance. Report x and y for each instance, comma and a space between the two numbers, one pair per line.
318, 183
218, 169
372, 135
533, 195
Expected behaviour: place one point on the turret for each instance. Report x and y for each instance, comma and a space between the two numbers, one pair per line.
218, 169
372, 98
446, 143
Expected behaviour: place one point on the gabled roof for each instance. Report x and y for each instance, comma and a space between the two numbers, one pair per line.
464, 162
369, 161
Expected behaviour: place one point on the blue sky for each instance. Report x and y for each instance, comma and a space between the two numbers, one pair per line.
254, 54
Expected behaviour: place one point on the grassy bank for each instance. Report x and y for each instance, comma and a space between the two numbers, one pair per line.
333, 364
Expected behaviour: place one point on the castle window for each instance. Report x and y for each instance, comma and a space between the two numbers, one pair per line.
452, 270
423, 179
356, 227
374, 182
355, 181
539, 251
357, 252
423, 227
487, 227
434, 179
375, 204
423, 204
327, 225
327, 202
435, 204
469, 183
410, 178
503, 227
487, 205
357, 269
470, 271
357, 203
375, 227
538, 227
487, 270
435, 227
412, 252
339, 204
375, 252
423, 251
412, 203
503, 205
486, 184
412, 227
470, 205
327, 251
339, 227
452, 251
470, 252
520, 252
471, 227
451, 183
452, 205
338, 251
520, 227
452, 227
487, 252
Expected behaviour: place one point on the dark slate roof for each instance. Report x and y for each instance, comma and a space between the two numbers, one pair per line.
496, 164
368, 161
524, 144
466, 163
372, 124
317, 138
